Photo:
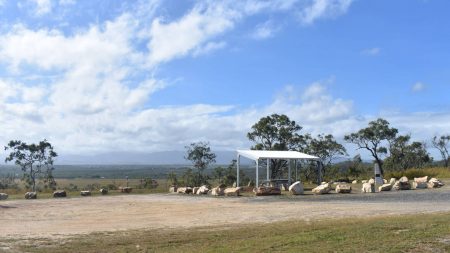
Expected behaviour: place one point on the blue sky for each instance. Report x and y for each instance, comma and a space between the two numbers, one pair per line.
101, 76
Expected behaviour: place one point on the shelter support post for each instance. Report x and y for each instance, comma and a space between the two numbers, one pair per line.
237, 168
296, 170
268, 168
319, 172
289, 172
257, 174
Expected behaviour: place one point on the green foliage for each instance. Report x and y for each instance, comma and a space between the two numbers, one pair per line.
275, 132
373, 138
8, 181
410, 173
35, 160
441, 143
405, 155
201, 157
172, 178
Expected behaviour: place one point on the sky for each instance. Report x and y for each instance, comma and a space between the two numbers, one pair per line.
104, 76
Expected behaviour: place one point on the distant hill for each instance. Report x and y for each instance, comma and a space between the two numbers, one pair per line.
158, 158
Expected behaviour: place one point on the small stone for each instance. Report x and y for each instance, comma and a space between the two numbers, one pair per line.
125, 189
343, 188
59, 194
354, 181
368, 187
173, 189
3, 196
322, 189
385, 187
195, 190
85, 193
266, 191
31, 195
103, 191
234, 191
203, 190
392, 181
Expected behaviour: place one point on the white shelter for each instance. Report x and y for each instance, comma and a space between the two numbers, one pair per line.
256, 155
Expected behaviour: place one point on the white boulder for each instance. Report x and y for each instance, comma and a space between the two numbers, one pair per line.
322, 189
296, 188
343, 188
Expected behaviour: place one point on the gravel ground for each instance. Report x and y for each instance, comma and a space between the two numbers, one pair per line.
55, 218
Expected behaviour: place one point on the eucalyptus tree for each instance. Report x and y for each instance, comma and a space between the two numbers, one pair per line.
441, 143
201, 156
35, 160
374, 138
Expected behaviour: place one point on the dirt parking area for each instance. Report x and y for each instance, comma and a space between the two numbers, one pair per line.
52, 218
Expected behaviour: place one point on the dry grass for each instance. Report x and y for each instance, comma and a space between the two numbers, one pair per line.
414, 233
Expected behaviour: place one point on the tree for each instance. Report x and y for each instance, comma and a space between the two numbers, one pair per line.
219, 173
326, 148
373, 139
201, 157
405, 155
35, 160
441, 144
276, 132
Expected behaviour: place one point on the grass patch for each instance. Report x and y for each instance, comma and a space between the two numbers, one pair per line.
412, 233
439, 172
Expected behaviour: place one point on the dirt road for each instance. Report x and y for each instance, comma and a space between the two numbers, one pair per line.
50, 218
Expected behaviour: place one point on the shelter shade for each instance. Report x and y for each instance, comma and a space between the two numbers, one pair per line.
269, 154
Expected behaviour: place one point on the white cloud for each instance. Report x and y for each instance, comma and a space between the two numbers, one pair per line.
66, 2
191, 32
318, 9
93, 103
41, 7
265, 30
209, 47
371, 51
417, 87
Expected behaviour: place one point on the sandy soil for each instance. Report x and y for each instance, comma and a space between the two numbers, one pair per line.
52, 218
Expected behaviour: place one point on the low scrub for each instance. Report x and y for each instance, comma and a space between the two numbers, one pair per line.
439, 172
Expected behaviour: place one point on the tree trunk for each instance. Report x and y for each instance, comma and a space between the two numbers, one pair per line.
380, 164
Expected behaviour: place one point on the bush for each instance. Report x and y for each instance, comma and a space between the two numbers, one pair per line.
412, 173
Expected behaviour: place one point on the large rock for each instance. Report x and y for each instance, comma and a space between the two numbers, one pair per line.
322, 189
3, 196
371, 181
173, 189
195, 190
59, 194
218, 191
296, 188
402, 184
385, 187
103, 191
184, 190
343, 188
355, 181
421, 179
125, 189
266, 191
385, 181
85, 193
368, 187
419, 185
364, 181
435, 183
31, 195
392, 181
234, 191
203, 190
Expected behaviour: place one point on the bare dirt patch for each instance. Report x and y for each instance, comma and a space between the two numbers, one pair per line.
54, 218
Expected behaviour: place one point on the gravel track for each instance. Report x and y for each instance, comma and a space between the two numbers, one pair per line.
54, 218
